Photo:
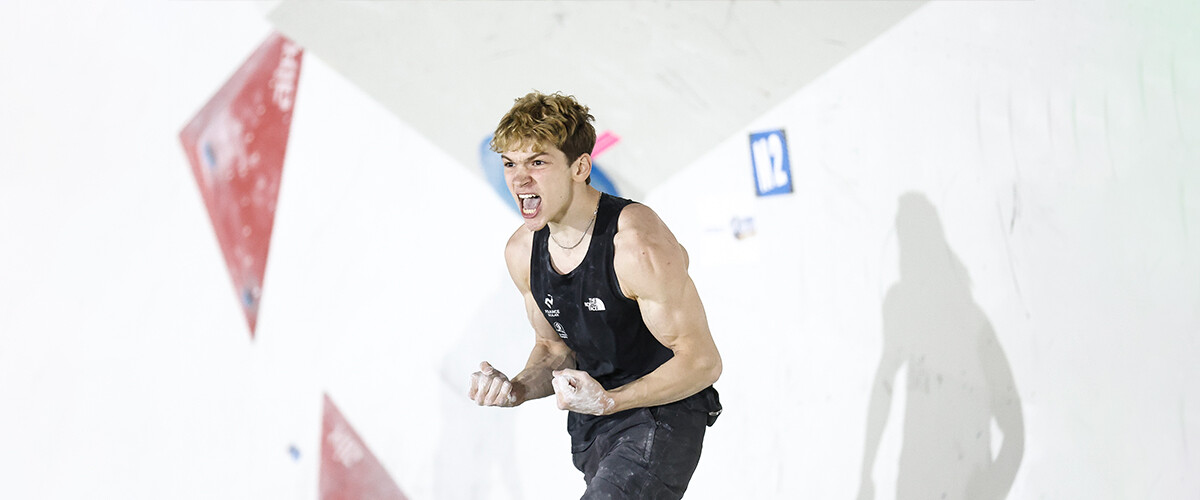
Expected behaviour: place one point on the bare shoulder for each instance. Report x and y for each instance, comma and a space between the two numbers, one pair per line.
516, 255
645, 250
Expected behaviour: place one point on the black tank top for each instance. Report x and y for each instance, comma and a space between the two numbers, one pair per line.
596, 320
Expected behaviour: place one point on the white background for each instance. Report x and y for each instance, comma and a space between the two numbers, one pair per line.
1056, 140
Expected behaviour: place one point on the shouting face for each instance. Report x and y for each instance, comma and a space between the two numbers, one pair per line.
543, 183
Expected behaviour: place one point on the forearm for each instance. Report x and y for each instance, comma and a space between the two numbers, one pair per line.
534, 381
680, 377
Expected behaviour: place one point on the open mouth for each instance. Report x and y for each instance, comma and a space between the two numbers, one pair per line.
530, 204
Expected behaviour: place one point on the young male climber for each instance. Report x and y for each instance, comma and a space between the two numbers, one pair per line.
620, 335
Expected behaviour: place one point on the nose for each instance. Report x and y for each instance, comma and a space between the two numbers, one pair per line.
518, 176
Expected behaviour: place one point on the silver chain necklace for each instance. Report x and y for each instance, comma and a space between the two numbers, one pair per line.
581, 237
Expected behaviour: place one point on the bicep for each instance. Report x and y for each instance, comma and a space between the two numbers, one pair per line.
670, 304
675, 315
652, 268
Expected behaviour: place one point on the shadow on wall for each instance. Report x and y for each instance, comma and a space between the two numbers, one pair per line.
959, 381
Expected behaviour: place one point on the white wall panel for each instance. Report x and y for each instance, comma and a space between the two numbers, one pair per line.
1054, 141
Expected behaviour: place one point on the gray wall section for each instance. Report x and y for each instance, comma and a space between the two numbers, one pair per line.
671, 78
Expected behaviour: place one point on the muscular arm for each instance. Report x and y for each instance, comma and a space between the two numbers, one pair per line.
549, 351
651, 268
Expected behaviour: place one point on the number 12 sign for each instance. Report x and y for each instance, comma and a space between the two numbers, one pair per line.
769, 156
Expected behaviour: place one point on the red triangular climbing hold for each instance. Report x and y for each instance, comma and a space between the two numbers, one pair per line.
236, 145
349, 471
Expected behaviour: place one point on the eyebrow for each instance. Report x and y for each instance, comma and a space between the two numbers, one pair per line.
506, 158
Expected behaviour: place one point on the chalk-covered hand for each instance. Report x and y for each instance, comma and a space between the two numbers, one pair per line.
490, 387
579, 392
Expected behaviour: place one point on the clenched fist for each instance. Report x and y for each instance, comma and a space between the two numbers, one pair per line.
490, 387
579, 392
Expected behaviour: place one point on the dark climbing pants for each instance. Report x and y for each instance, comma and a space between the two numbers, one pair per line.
650, 454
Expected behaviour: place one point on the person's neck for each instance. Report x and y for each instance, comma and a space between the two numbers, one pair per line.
579, 218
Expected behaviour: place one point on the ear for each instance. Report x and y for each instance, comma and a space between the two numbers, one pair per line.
582, 168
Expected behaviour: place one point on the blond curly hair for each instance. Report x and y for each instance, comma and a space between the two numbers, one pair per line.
539, 120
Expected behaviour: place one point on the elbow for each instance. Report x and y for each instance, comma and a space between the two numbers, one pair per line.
711, 368
700, 366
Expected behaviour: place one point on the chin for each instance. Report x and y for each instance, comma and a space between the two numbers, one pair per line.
534, 225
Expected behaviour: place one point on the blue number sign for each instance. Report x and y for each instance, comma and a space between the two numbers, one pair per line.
769, 157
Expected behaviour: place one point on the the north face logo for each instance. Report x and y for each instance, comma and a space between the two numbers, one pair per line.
594, 304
